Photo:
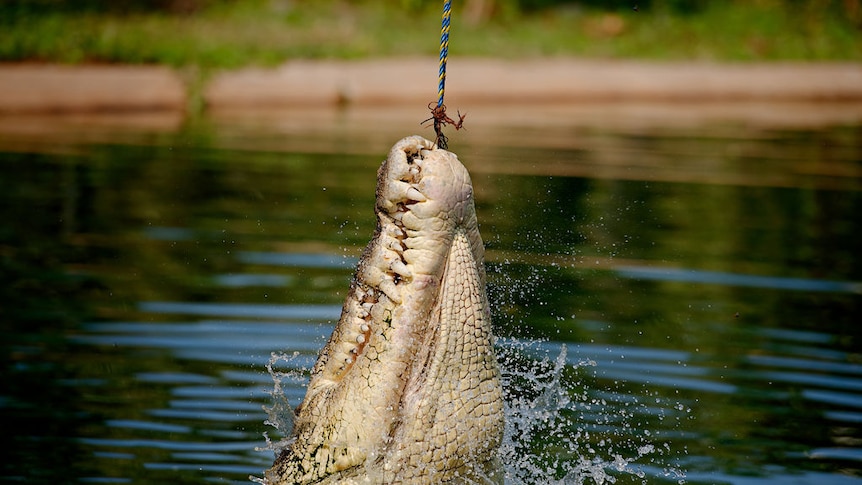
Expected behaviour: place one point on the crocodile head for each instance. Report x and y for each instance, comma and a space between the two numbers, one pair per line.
407, 390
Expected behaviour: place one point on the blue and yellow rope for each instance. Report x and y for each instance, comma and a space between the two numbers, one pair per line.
444, 51
438, 113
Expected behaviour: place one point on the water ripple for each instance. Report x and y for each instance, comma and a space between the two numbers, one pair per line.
736, 279
298, 260
244, 310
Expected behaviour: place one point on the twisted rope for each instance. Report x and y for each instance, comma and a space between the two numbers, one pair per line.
438, 113
444, 51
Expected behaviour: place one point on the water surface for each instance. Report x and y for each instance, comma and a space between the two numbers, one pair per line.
677, 289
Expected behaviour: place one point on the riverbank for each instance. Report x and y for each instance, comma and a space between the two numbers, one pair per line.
398, 81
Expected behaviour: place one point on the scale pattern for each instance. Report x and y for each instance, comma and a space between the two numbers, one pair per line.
407, 390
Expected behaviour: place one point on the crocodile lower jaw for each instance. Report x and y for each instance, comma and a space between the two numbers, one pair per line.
411, 360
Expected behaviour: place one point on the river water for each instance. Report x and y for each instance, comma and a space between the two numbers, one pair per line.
677, 289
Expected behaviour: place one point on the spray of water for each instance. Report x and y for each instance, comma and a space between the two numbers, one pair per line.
560, 431
557, 430
280, 413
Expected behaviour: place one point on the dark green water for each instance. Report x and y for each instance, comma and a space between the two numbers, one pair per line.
705, 281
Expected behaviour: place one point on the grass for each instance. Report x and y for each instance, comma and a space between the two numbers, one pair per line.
268, 32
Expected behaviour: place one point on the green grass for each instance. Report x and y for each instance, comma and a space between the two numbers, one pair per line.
269, 32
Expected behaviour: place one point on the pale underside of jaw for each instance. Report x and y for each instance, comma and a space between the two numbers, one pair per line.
396, 332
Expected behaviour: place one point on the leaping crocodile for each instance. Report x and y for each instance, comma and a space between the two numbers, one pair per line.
407, 390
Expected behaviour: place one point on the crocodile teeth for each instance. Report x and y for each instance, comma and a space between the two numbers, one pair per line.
396, 191
360, 339
395, 231
401, 269
391, 291
394, 245
414, 194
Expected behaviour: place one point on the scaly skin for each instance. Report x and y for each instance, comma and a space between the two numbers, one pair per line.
407, 390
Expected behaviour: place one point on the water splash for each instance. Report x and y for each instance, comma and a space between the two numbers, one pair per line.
280, 414
558, 431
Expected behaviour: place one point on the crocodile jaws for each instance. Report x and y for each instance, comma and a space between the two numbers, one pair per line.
407, 390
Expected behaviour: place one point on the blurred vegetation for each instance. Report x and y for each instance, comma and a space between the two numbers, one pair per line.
233, 33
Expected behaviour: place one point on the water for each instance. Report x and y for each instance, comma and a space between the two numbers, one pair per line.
676, 288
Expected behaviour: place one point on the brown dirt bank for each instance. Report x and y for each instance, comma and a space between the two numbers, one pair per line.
400, 81
48, 88
55, 88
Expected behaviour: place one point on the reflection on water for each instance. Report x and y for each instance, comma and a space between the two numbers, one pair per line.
675, 301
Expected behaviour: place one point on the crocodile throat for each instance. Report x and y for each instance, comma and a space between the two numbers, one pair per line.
407, 390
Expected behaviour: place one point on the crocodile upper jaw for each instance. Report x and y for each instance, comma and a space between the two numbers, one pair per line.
407, 389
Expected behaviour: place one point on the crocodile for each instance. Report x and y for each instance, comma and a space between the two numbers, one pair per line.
407, 389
